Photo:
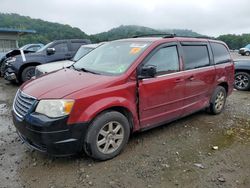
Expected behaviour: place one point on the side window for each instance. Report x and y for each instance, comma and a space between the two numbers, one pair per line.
221, 54
75, 46
195, 56
166, 60
61, 48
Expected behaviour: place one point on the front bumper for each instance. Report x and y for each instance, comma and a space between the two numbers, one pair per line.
52, 136
9, 74
242, 52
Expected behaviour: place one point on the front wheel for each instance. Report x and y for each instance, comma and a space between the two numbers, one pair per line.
218, 100
247, 53
107, 135
242, 81
28, 73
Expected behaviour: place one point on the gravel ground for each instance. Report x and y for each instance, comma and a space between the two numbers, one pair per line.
200, 150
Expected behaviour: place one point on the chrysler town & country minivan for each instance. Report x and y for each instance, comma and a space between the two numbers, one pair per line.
122, 87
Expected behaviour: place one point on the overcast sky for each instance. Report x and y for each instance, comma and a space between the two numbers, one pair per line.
209, 17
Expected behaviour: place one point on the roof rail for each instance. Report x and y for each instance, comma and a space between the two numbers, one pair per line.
164, 35
198, 37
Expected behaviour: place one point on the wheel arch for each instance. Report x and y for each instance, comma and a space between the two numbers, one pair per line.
242, 70
19, 76
225, 85
123, 110
119, 104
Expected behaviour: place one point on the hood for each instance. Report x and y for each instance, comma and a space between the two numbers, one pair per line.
65, 82
49, 67
31, 56
17, 52
244, 48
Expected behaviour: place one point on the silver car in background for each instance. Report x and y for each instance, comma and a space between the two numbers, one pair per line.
57, 65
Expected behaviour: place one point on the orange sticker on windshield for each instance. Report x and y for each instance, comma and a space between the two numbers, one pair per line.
135, 50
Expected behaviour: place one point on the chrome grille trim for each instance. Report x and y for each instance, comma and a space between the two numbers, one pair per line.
22, 103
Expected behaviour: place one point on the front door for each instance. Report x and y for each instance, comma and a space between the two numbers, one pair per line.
61, 52
160, 98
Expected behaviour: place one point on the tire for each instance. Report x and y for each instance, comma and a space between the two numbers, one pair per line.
217, 101
27, 73
247, 53
242, 81
111, 129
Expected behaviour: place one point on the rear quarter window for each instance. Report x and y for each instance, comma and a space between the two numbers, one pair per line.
195, 56
221, 54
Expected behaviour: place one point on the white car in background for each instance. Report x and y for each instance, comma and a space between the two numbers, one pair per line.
49, 67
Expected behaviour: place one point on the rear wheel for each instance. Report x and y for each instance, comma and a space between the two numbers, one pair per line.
107, 135
242, 81
28, 73
218, 100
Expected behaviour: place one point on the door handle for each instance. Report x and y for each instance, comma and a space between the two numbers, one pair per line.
191, 78
178, 80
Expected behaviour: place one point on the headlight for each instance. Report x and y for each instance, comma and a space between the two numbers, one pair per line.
55, 108
11, 60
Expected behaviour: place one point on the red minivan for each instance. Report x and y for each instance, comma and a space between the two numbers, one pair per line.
121, 87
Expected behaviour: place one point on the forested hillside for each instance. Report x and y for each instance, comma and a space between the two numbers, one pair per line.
125, 31
235, 41
48, 31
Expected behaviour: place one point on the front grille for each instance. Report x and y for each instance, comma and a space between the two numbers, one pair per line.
241, 51
23, 103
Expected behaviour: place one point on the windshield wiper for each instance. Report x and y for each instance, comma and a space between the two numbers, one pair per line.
86, 70
83, 69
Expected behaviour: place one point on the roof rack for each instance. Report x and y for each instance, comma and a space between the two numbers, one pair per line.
164, 35
171, 35
198, 37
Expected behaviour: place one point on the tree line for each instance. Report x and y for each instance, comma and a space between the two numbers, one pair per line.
235, 41
48, 31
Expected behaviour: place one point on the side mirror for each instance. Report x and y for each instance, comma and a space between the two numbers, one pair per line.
147, 72
51, 51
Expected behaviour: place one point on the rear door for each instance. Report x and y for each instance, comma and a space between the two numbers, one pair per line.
199, 76
223, 65
160, 98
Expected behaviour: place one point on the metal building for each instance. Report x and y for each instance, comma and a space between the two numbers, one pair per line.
9, 38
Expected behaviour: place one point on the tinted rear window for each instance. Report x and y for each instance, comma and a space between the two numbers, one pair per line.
195, 56
221, 54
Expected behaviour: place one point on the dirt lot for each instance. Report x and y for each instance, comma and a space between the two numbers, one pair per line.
179, 154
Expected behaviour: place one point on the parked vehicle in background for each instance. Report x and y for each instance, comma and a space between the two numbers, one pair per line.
49, 67
245, 50
119, 88
28, 48
242, 75
22, 67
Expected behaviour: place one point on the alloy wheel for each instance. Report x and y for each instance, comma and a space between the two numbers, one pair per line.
110, 137
219, 101
241, 81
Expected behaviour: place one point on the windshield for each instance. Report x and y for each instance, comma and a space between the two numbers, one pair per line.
247, 46
112, 58
81, 52
45, 47
24, 47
